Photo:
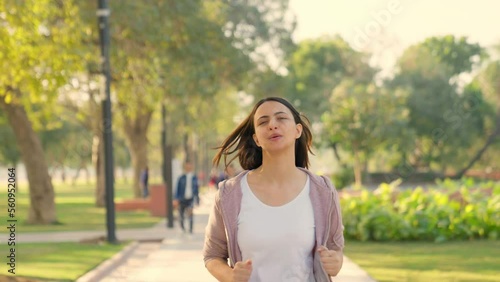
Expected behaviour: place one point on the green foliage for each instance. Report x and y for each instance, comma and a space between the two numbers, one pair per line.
343, 178
444, 120
363, 118
40, 46
457, 53
489, 83
66, 144
457, 211
9, 153
317, 66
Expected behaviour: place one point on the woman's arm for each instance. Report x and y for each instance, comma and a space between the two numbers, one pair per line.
220, 270
215, 252
332, 260
335, 242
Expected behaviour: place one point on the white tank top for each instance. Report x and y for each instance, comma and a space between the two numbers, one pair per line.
278, 240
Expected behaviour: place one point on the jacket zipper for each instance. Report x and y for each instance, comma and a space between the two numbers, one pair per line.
328, 231
231, 256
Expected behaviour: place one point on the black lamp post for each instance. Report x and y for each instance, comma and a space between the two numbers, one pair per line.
102, 15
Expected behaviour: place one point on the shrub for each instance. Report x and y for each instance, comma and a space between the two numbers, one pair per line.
343, 178
456, 210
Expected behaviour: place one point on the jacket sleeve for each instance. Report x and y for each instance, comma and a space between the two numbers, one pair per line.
177, 189
215, 235
336, 237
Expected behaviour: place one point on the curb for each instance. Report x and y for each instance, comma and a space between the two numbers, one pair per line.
108, 265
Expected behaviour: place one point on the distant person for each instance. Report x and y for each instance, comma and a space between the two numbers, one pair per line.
215, 178
275, 221
144, 182
187, 194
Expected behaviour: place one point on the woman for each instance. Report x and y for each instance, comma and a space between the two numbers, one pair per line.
275, 221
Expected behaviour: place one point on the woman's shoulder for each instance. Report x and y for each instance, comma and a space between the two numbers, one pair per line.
318, 180
228, 186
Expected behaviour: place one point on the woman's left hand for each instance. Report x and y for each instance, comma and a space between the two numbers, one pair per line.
331, 260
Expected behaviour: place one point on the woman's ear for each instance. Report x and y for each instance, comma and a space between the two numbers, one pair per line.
255, 140
298, 128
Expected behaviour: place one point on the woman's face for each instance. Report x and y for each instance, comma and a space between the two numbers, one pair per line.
275, 127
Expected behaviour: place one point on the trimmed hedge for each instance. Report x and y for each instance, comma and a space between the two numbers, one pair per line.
454, 210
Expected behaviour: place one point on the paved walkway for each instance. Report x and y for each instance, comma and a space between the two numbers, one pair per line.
160, 254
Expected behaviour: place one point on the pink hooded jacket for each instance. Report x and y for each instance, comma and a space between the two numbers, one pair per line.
221, 231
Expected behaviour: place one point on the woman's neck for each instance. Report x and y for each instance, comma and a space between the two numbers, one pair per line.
277, 167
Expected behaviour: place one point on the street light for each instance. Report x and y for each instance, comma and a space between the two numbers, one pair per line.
102, 15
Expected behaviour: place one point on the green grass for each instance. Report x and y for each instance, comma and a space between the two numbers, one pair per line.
59, 261
76, 209
422, 261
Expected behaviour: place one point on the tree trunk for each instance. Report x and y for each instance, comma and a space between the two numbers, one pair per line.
491, 139
42, 198
76, 176
365, 176
63, 174
336, 153
185, 144
357, 169
95, 124
98, 162
136, 136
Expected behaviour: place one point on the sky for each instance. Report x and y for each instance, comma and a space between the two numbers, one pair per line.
387, 27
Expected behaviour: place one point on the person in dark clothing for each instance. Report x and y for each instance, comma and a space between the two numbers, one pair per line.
144, 182
187, 194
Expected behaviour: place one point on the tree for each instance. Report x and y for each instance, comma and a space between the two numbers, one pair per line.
317, 66
488, 83
176, 65
182, 52
362, 118
82, 97
66, 144
32, 79
458, 54
429, 71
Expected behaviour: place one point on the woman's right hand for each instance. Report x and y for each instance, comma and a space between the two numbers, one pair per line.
242, 271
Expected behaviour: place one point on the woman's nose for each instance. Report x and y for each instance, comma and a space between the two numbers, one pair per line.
272, 124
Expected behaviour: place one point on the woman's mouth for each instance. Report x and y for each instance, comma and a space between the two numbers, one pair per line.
275, 137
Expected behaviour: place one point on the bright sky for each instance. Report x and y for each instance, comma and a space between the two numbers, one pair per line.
386, 27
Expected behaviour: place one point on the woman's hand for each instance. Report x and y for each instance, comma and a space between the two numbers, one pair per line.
242, 271
331, 260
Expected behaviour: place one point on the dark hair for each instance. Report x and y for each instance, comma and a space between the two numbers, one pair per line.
249, 154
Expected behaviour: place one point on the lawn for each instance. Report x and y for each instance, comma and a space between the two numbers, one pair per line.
59, 261
423, 261
76, 209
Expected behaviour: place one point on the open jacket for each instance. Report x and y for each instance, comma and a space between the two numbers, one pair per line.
222, 229
181, 188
